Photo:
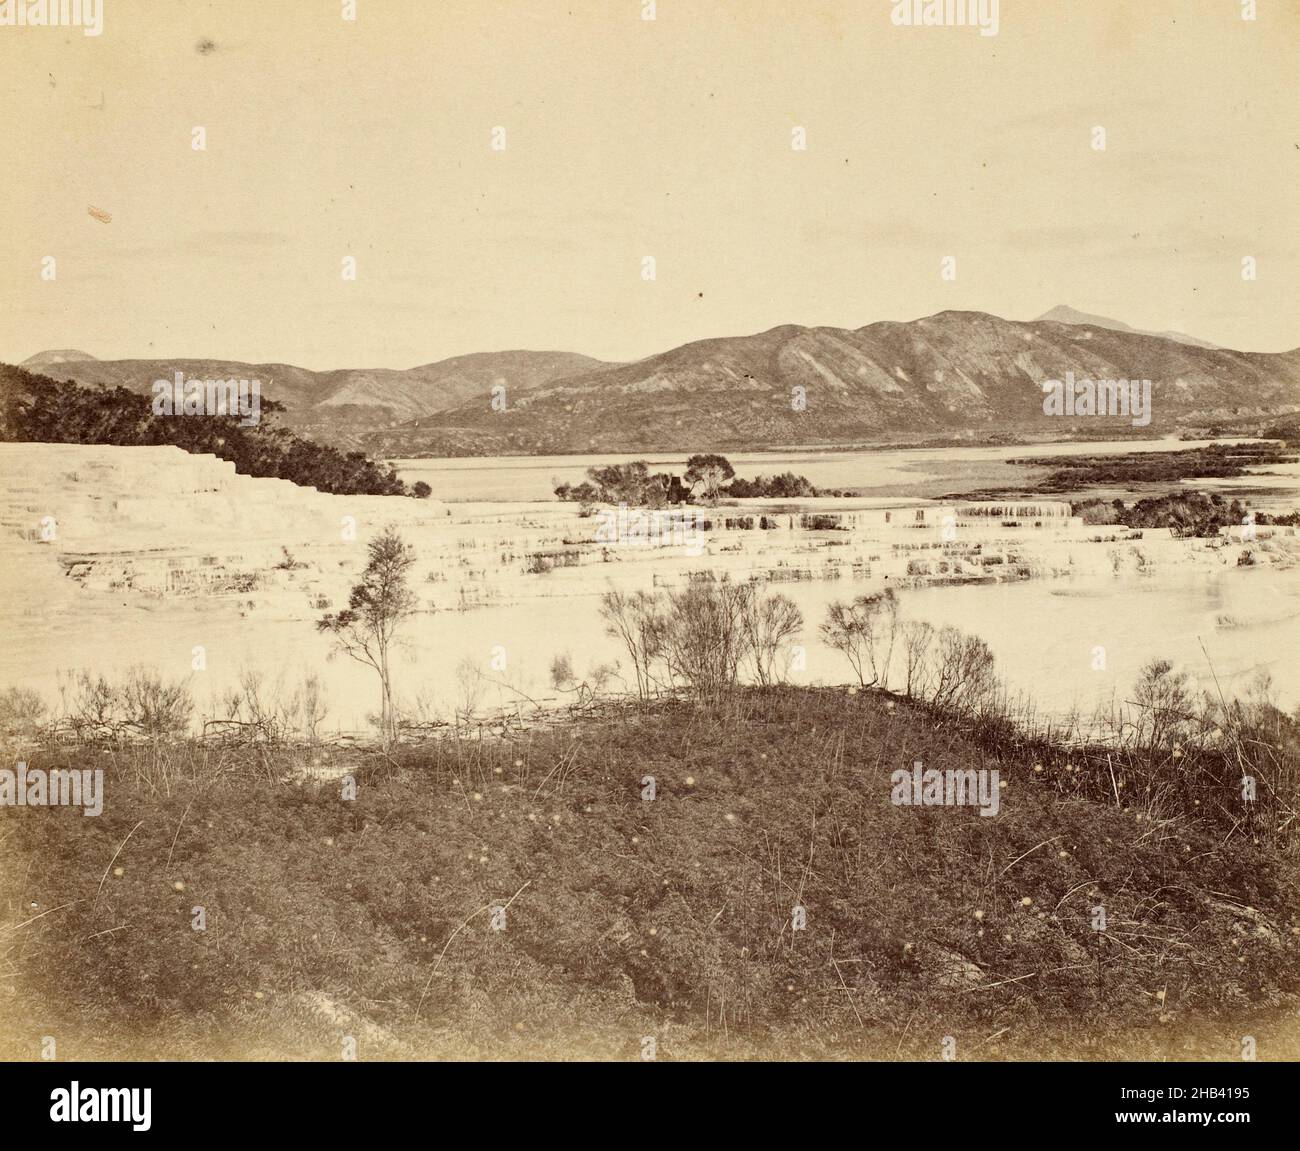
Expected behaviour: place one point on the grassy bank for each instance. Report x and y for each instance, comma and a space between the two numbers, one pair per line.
626, 918
1143, 473
1079, 473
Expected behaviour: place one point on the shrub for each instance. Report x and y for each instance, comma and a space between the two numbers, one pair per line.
704, 640
22, 711
865, 631
963, 674
637, 621
770, 622
154, 707
918, 636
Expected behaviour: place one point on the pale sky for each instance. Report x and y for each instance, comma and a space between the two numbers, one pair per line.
628, 138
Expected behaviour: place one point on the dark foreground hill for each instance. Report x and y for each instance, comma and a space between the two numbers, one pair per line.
519, 897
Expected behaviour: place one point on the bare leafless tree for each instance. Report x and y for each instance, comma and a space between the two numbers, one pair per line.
469, 688
704, 638
770, 622
636, 620
918, 636
963, 678
1164, 705
865, 631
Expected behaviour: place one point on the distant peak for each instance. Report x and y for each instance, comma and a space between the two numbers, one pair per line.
1064, 314
55, 356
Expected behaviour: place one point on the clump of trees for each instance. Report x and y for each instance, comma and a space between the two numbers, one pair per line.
34, 408
946, 667
379, 604
269, 713
712, 635
633, 484
707, 476
785, 486
142, 705
1278, 519
705, 637
1187, 514
586, 492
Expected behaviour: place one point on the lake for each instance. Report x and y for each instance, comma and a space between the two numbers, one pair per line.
489, 620
926, 472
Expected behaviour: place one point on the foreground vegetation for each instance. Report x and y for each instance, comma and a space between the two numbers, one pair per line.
648, 859
713, 868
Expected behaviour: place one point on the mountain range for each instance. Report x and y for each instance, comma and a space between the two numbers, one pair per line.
950, 375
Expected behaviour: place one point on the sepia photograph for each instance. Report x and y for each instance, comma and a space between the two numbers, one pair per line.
651, 531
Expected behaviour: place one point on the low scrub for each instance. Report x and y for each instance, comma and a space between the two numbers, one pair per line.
726, 882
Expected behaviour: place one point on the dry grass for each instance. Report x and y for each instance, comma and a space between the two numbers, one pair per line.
673, 918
